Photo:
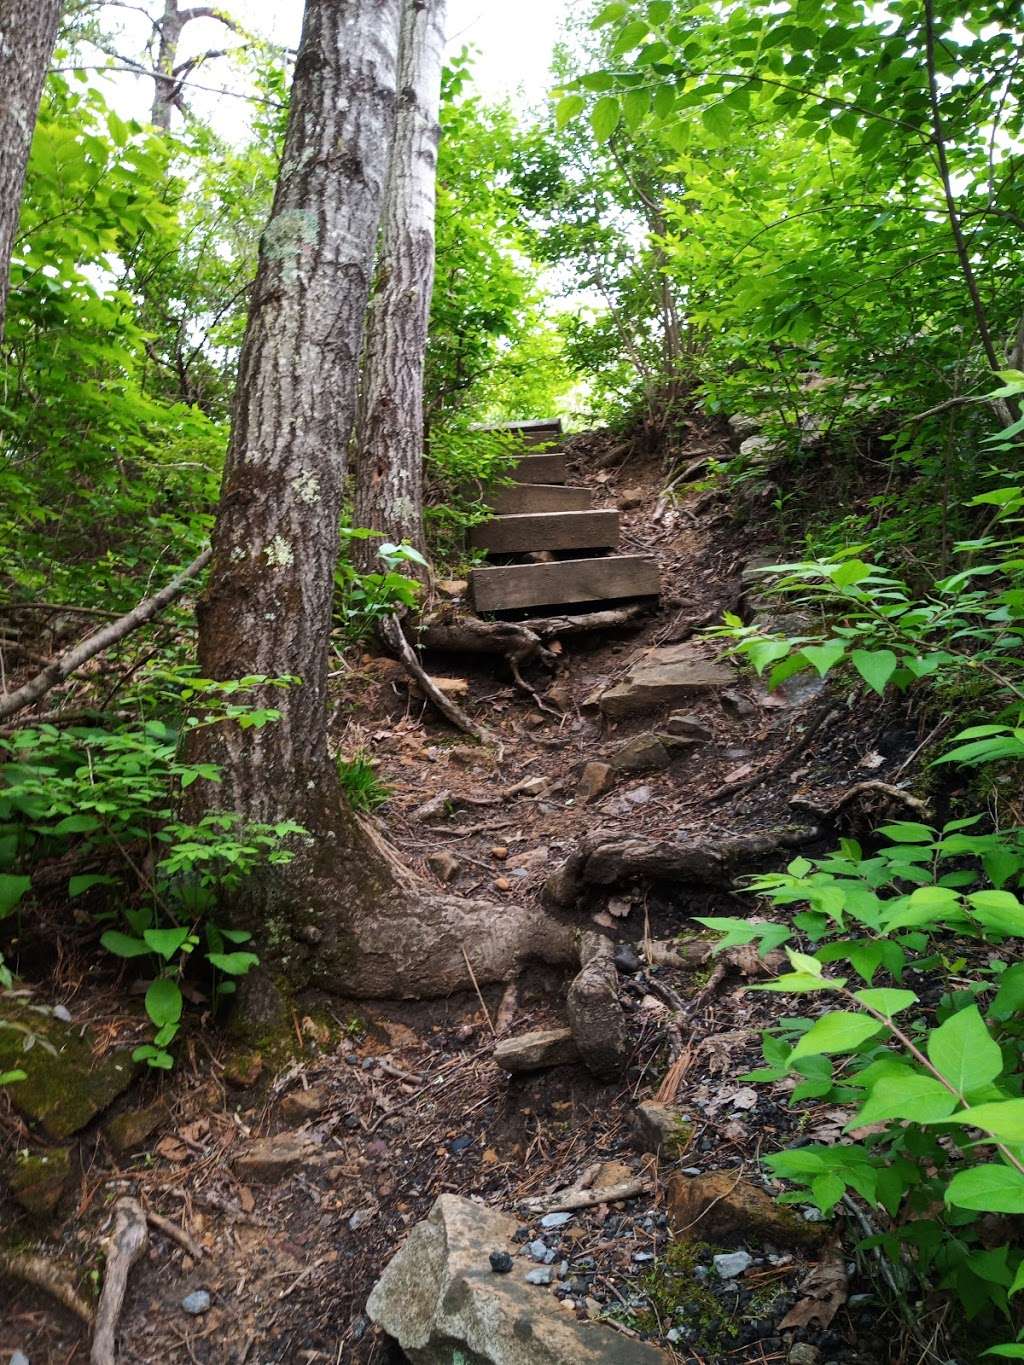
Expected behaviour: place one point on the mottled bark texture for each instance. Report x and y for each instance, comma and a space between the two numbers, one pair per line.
389, 440
343, 915
28, 31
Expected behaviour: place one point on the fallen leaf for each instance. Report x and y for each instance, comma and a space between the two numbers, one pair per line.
823, 1291
745, 1098
172, 1149
872, 760
738, 774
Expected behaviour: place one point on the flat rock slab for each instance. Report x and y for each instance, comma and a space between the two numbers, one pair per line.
270, 1159
661, 677
532, 1051
442, 1303
66, 1086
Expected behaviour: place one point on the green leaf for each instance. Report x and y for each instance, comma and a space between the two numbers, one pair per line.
964, 1051
909, 1096
166, 942
717, 119
77, 886
992, 1188
12, 889
849, 573
1009, 998
907, 832
840, 1031
1009, 1351
824, 657
77, 824
604, 117
610, 14
164, 1002
122, 945
1002, 1118
885, 999
235, 964
875, 666
567, 109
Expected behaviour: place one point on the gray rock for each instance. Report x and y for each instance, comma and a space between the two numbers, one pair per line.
683, 724
595, 1014
641, 754
541, 1275
732, 1263
661, 1128
662, 676
533, 1051
538, 1250
803, 1353
439, 1299
555, 1220
639, 796
19, 1358
196, 1303
626, 958
737, 705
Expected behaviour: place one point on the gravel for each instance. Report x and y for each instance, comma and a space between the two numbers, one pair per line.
196, 1303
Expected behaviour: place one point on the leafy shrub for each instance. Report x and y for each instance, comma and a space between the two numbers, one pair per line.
934, 1076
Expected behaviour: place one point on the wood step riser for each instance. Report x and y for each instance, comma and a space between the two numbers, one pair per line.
538, 497
539, 469
547, 531
567, 581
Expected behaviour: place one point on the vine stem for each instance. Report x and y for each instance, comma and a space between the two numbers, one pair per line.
922, 1059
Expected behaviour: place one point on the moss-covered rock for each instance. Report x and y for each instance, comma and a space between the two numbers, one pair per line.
131, 1129
725, 1209
38, 1179
66, 1083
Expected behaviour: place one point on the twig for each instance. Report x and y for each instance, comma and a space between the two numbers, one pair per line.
394, 637
41, 1274
586, 1199
100, 640
127, 1244
176, 1234
483, 1002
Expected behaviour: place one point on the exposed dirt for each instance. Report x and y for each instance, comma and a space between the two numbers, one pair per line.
405, 1102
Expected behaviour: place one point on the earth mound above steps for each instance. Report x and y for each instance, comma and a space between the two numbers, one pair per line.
442, 1302
660, 677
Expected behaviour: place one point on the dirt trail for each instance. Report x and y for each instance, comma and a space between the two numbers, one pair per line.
395, 1104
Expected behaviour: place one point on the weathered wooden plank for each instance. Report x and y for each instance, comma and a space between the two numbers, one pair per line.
593, 530
539, 469
540, 429
567, 580
538, 497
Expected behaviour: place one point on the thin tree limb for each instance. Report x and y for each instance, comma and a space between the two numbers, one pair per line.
394, 637
100, 640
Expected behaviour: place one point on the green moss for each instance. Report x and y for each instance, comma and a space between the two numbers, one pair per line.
676, 1294
38, 1179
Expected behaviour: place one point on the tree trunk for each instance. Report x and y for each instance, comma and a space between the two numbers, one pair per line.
167, 83
343, 914
389, 441
28, 31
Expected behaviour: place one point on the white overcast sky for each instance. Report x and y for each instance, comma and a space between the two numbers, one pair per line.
513, 41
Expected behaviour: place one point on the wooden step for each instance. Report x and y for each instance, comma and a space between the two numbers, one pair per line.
568, 580
544, 431
591, 530
538, 497
539, 469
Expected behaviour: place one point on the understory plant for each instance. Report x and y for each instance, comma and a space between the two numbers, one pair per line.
912, 949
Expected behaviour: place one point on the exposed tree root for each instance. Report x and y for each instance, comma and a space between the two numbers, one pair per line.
43, 1274
127, 1243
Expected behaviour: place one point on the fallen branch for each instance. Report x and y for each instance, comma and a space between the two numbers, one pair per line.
100, 640
548, 627
569, 1200
127, 1243
871, 786
175, 1233
41, 1274
824, 717
394, 637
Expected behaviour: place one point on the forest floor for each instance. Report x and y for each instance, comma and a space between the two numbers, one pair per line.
390, 1104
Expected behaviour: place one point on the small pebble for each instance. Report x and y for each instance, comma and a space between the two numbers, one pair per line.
813, 1215
360, 1217
626, 958
358, 1328
643, 1255
542, 1275
732, 1263
459, 1144
62, 1013
196, 1303
19, 1357
555, 1220
501, 1262
538, 1250
352, 1059
368, 1063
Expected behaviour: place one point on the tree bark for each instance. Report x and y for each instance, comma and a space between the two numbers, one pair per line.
343, 915
28, 31
167, 82
389, 441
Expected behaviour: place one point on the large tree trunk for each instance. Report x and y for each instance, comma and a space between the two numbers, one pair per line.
28, 31
389, 442
342, 915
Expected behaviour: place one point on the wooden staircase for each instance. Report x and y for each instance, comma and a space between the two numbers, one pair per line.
541, 513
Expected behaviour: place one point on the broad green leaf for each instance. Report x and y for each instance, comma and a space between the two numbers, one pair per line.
840, 1031
166, 942
717, 119
610, 14
12, 889
909, 1096
164, 1002
875, 666
964, 1051
824, 657
77, 824
907, 832
886, 999
604, 117
849, 573
122, 945
1002, 1118
77, 886
235, 964
567, 109
992, 1188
